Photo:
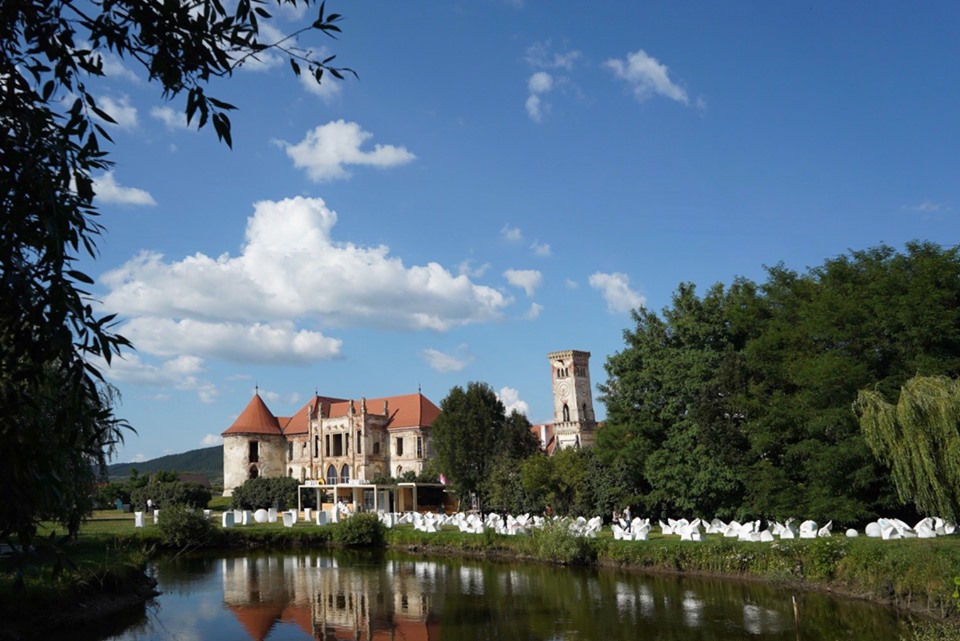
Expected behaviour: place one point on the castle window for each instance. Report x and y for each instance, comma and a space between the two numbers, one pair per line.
376, 447
254, 455
399, 448
566, 412
254, 472
583, 412
345, 474
331, 475
337, 445
419, 447
359, 442
290, 472
289, 451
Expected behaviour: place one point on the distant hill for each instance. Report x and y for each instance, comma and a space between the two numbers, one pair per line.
207, 461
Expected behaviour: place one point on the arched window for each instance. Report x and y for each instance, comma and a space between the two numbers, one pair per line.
290, 472
254, 472
399, 470
331, 475
583, 412
376, 447
566, 412
345, 474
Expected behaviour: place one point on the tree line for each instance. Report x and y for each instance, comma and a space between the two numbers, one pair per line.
740, 402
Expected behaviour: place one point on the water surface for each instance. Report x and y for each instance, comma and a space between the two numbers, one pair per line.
334, 596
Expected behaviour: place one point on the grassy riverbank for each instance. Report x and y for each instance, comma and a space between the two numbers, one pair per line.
912, 574
915, 574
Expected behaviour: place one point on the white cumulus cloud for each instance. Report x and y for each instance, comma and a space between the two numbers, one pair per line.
183, 372
328, 89
120, 110
616, 290
539, 84
540, 55
534, 312
541, 249
109, 191
113, 67
443, 362
646, 76
511, 401
547, 65
327, 151
511, 233
526, 279
268, 58
469, 268
262, 343
291, 277
173, 120
210, 440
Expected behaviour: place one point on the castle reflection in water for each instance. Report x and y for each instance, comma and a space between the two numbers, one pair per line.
404, 600
385, 603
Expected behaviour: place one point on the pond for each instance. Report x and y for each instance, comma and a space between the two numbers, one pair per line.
336, 595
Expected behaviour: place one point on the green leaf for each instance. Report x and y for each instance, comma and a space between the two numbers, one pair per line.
220, 104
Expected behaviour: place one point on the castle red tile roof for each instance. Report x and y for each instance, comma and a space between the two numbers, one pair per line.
409, 410
297, 424
256, 418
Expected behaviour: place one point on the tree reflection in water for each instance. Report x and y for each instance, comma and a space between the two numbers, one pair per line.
329, 596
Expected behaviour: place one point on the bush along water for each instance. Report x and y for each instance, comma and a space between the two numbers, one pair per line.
183, 528
360, 530
555, 543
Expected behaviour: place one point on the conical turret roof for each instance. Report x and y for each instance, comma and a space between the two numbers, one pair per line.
256, 418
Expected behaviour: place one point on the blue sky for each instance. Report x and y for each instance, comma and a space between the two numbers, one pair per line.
505, 179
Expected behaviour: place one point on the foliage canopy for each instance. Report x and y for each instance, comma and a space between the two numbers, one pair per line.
59, 425
473, 432
919, 438
738, 403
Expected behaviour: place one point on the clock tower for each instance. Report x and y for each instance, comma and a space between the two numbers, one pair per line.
574, 423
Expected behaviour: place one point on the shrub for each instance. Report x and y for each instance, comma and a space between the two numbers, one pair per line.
184, 527
360, 530
263, 493
556, 543
172, 493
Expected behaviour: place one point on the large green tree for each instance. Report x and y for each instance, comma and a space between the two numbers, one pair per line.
473, 434
738, 403
58, 415
919, 438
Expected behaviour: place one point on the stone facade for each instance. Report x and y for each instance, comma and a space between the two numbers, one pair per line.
330, 439
574, 422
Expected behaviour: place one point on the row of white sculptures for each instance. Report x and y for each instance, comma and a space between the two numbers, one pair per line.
638, 529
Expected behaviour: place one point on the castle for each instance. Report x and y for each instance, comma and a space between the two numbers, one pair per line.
346, 441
